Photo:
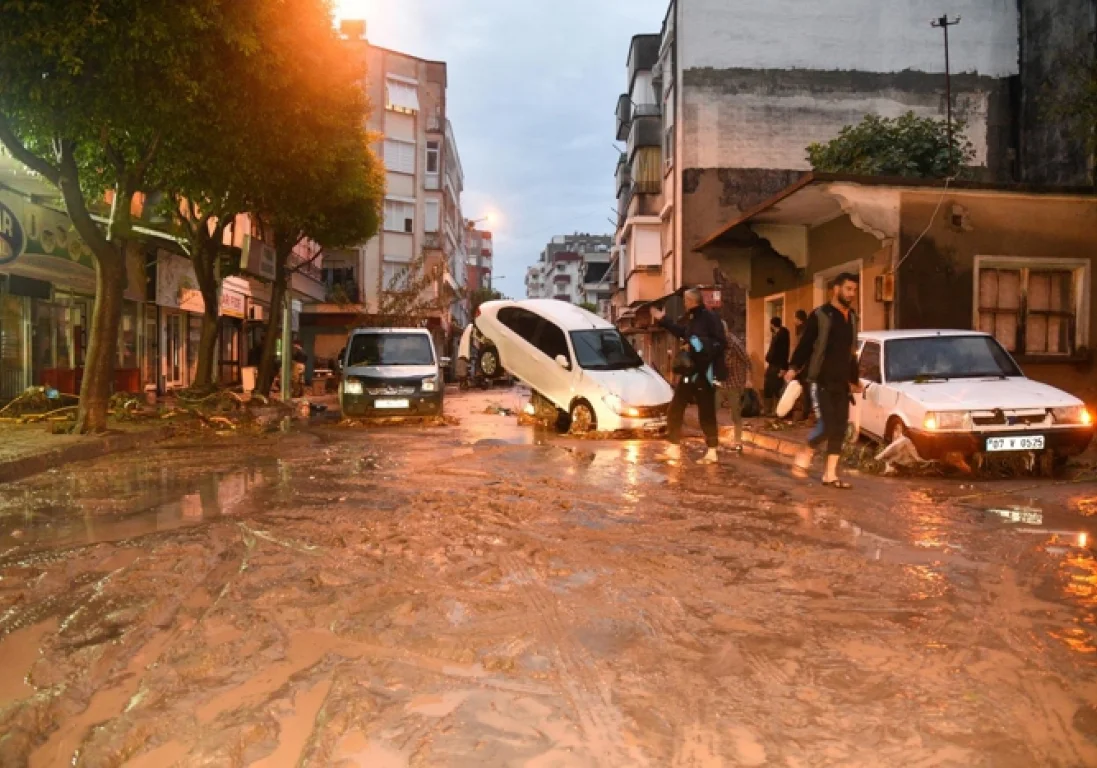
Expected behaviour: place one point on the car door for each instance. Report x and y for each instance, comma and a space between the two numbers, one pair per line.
516, 342
553, 380
870, 371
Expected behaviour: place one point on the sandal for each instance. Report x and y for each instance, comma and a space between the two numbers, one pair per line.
840, 485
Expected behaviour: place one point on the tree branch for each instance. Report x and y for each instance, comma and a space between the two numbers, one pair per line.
20, 152
137, 175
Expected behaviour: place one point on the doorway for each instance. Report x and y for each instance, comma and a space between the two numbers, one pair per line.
774, 307
174, 358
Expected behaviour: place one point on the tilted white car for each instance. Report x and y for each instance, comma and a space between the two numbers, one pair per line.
577, 361
962, 392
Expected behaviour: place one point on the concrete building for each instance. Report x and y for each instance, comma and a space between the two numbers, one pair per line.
562, 269
730, 96
480, 264
422, 231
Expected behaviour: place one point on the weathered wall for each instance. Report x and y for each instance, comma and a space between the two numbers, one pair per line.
1053, 33
935, 283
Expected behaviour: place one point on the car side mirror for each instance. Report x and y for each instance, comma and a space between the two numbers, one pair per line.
563, 362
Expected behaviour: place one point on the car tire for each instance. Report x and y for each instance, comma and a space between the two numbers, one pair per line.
490, 365
1046, 464
582, 417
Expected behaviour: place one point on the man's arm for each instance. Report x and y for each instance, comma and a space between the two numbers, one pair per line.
677, 330
802, 356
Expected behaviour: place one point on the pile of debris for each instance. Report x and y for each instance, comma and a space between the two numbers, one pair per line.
225, 411
395, 421
38, 404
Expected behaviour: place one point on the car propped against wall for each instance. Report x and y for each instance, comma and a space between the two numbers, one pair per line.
961, 392
576, 361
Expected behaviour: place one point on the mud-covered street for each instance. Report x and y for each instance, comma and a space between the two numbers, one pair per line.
484, 595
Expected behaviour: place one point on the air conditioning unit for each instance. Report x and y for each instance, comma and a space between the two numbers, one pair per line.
885, 288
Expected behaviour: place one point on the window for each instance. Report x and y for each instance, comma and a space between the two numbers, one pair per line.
394, 276
947, 357
521, 321
552, 341
390, 349
434, 154
433, 215
399, 156
869, 366
1030, 310
399, 216
401, 96
604, 349
668, 148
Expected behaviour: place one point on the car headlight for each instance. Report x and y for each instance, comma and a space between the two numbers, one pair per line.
945, 420
352, 387
430, 385
618, 406
1074, 414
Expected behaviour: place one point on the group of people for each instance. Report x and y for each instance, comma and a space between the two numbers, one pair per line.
713, 370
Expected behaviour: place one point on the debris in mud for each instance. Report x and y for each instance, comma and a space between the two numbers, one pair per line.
40, 404
395, 421
498, 410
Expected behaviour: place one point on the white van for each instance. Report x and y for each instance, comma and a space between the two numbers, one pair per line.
575, 360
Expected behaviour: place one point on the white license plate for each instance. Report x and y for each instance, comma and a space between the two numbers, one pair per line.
1030, 443
391, 405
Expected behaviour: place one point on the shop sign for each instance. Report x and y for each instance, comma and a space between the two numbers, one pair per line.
176, 283
258, 259
13, 240
232, 304
50, 233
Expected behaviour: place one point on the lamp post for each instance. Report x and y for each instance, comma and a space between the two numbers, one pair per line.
943, 23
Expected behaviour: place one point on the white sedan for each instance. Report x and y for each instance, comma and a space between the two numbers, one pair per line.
962, 392
576, 361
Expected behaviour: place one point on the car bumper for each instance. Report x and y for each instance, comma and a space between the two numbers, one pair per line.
1063, 441
364, 406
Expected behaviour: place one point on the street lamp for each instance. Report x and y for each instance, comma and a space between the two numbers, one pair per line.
943, 23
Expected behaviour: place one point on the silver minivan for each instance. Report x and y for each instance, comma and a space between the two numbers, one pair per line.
391, 372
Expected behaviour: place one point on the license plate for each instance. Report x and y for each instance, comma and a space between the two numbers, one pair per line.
1030, 443
391, 405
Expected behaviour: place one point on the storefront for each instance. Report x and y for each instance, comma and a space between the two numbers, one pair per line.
47, 290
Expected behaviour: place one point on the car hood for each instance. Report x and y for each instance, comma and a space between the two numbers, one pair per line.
635, 386
986, 394
393, 371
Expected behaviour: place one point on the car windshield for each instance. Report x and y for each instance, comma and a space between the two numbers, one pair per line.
947, 357
390, 349
604, 349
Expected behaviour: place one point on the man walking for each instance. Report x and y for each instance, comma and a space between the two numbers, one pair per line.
702, 334
826, 355
804, 407
776, 363
733, 389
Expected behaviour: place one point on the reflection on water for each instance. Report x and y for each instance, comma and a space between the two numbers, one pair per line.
128, 504
1019, 514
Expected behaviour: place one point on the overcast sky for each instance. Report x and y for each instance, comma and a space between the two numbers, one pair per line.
532, 93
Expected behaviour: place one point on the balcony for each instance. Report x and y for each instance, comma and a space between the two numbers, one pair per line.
642, 55
624, 116
646, 132
624, 173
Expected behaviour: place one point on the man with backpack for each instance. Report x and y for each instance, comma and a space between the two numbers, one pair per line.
826, 355
699, 365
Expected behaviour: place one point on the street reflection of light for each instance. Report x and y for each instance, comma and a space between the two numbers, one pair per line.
1023, 515
1083, 540
632, 473
1077, 640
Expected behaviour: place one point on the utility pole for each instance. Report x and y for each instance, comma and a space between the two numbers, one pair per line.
943, 23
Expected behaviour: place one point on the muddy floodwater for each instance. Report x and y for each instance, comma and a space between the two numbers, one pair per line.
487, 595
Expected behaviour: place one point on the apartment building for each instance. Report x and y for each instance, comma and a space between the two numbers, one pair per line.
720, 105
423, 228
572, 268
480, 263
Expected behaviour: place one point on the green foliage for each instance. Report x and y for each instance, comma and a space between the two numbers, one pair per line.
904, 146
480, 295
589, 306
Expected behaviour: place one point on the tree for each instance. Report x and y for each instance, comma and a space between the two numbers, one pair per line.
480, 295
904, 146
589, 306
89, 95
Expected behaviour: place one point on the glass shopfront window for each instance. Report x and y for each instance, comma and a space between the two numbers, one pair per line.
194, 341
149, 368
128, 337
13, 345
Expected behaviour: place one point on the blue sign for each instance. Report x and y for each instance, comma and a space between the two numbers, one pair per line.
13, 240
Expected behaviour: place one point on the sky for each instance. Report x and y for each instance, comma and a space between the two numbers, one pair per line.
532, 91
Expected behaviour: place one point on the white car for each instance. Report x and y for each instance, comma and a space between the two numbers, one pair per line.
962, 392
577, 361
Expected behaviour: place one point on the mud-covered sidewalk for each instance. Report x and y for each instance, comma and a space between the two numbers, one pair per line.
484, 595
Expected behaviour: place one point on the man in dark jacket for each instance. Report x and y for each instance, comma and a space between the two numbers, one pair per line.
776, 362
826, 356
702, 333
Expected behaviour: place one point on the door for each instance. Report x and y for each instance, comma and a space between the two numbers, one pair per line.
870, 370
174, 359
554, 380
519, 356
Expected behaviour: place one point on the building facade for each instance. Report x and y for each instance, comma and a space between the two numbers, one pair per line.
729, 97
480, 263
572, 268
422, 239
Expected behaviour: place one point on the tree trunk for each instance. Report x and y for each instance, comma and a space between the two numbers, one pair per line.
95, 390
267, 369
205, 270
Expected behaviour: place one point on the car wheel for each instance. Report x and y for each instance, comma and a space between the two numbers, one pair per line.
490, 365
582, 418
1046, 464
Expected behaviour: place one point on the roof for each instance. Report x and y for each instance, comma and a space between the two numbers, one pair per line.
923, 333
802, 202
566, 315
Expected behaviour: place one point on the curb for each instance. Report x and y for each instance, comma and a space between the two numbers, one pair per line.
778, 445
94, 448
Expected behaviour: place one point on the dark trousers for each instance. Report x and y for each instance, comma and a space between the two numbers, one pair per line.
704, 395
833, 405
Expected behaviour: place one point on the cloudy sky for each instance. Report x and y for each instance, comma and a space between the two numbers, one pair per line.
532, 90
